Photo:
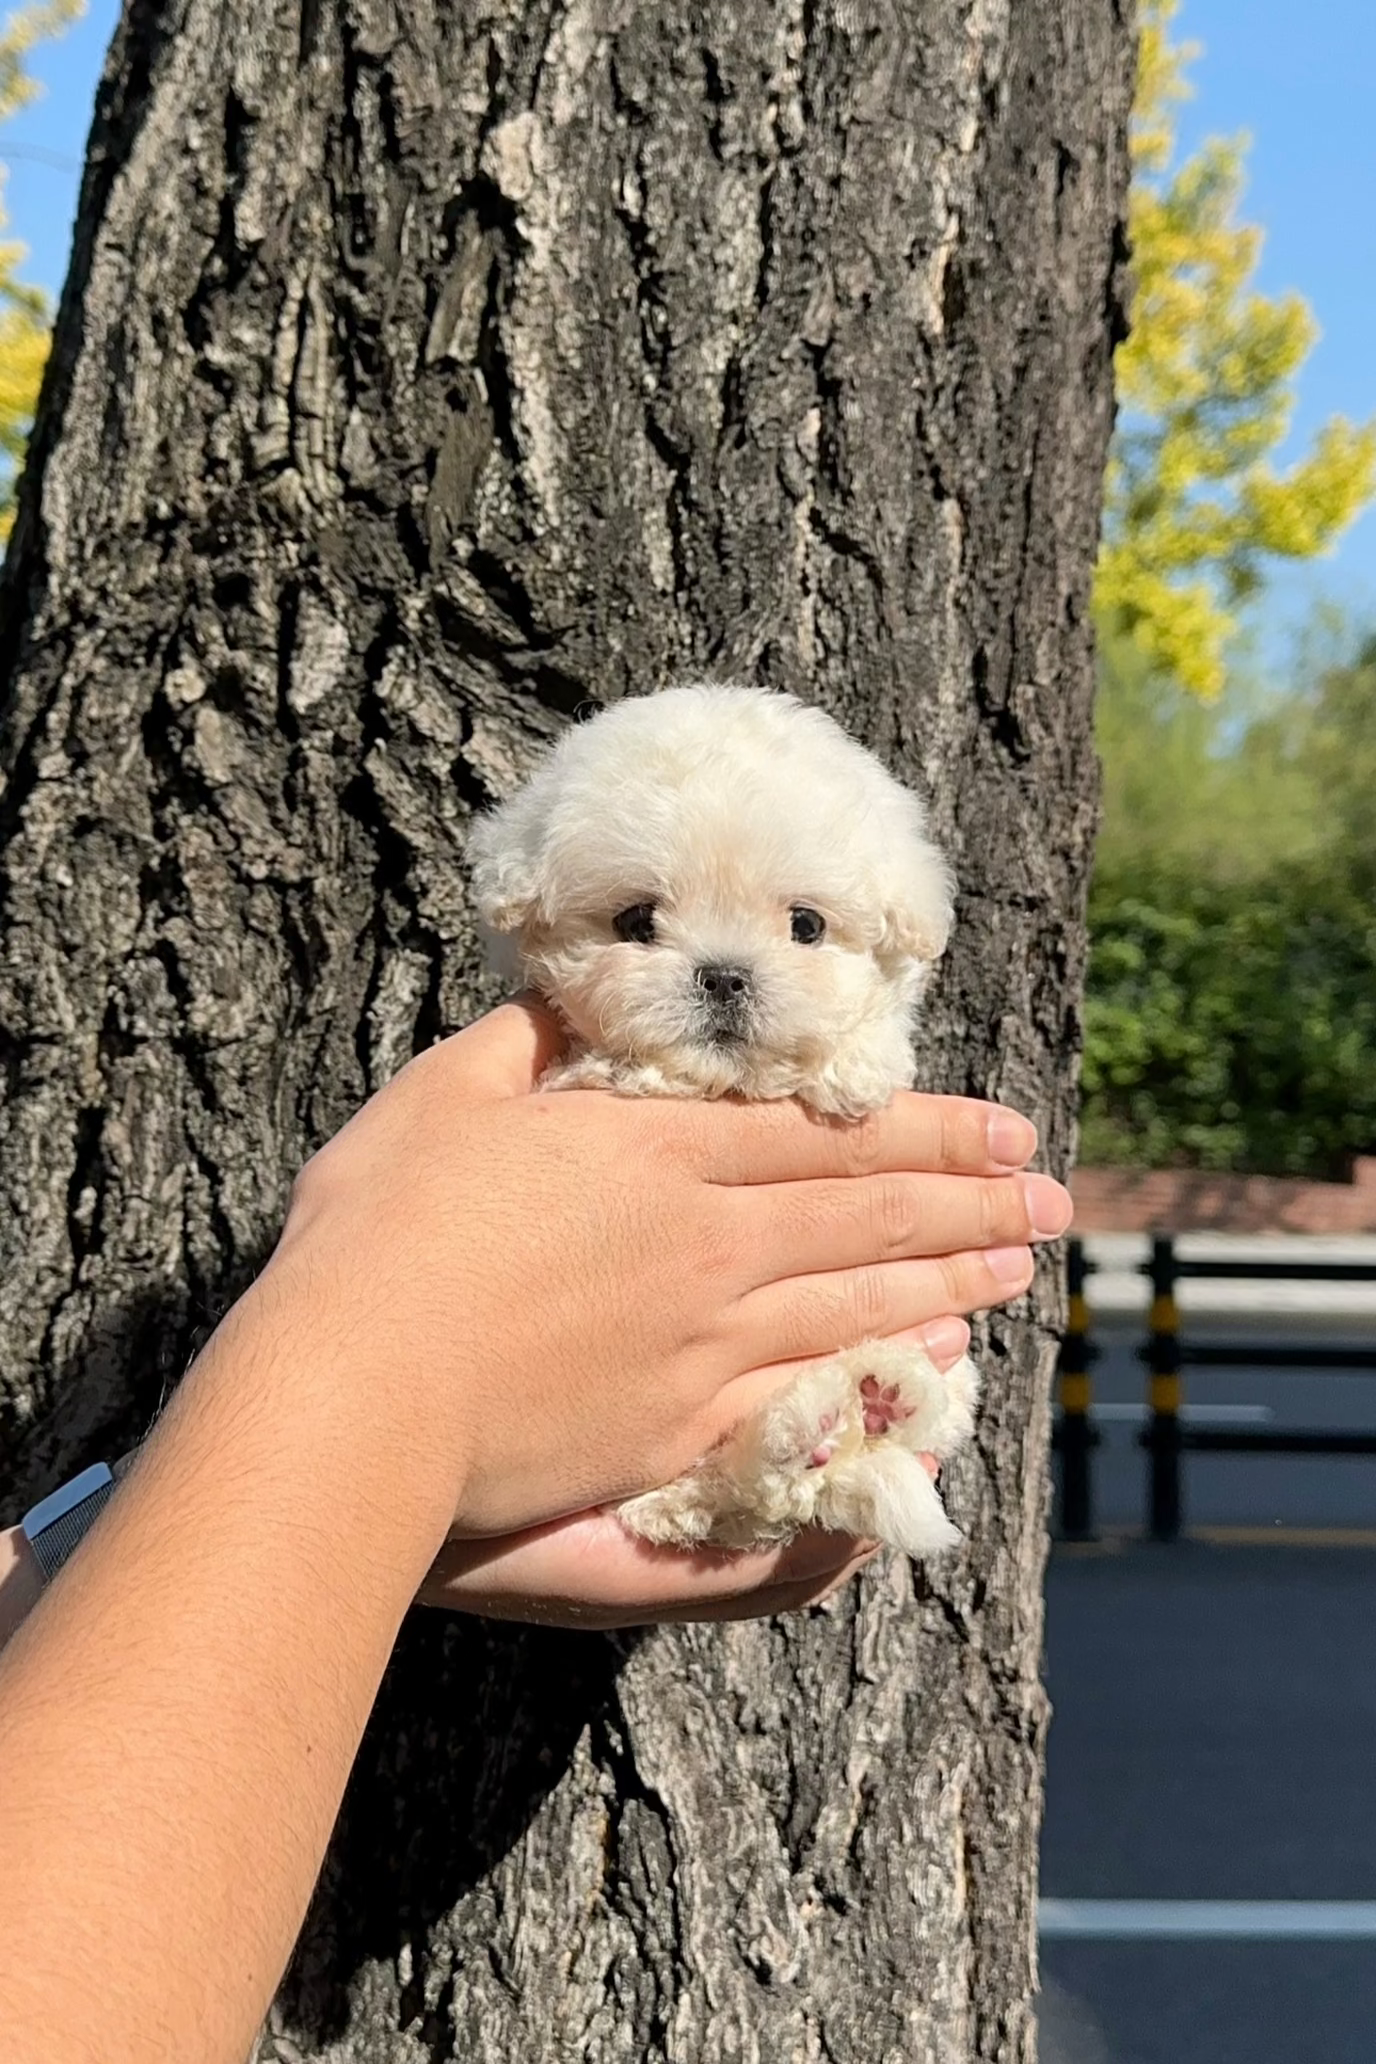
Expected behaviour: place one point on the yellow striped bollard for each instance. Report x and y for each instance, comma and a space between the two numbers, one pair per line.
1075, 1435
1162, 1435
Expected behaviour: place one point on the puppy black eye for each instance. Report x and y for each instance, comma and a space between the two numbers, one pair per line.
809, 926
636, 925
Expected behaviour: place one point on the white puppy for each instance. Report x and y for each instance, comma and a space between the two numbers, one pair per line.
720, 892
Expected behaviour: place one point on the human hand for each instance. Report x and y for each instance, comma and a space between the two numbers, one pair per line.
551, 1302
588, 1571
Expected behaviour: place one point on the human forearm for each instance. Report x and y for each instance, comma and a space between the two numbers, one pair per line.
180, 1713
20, 1582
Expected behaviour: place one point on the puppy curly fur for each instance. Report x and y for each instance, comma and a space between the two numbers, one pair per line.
722, 893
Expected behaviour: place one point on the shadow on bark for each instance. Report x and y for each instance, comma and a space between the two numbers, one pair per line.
474, 1727
106, 1395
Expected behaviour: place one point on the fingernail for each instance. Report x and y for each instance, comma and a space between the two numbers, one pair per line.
946, 1340
1009, 1264
1049, 1207
1012, 1138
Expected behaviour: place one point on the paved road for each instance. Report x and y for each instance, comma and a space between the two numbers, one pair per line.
1215, 1738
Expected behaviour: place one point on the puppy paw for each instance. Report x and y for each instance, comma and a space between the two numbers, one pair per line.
863, 1072
885, 1494
883, 1405
823, 1439
838, 1449
798, 1432
905, 1408
903, 1399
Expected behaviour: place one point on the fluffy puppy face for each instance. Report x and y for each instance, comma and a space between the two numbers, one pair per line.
719, 889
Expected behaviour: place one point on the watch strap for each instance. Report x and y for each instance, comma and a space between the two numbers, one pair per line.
55, 1525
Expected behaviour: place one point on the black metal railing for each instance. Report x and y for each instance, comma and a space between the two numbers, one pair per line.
1076, 1434
1167, 1436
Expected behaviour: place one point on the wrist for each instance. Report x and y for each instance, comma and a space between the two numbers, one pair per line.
341, 1395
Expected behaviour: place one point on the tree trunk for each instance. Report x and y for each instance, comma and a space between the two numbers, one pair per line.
424, 371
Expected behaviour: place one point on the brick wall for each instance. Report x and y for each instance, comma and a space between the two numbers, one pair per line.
1181, 1200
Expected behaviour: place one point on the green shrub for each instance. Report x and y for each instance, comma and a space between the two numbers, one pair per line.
1230, 1024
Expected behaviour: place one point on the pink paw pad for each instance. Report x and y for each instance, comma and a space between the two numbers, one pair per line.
883, 1405
825, 1448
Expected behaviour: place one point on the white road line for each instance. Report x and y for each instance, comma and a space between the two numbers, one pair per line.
1238, 1920
1116, 1414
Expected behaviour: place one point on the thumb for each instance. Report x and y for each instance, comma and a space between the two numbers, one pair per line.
505, 1053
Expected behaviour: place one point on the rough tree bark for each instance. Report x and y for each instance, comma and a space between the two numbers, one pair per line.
424, 371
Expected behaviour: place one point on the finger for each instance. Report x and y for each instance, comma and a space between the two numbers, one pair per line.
781, 1598
945, 1340
793, 1229
502, 1054
942, 1340
762, 1602
591, 1561
786, 1142
766, 1602
850, 1573
820, 1315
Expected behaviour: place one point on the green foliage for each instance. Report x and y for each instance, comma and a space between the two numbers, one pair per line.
1231, 1004
1338, 755
1232, 1025
1193, 505
1217, 790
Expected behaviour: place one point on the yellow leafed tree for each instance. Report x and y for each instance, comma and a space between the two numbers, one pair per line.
24, 313
1194, 506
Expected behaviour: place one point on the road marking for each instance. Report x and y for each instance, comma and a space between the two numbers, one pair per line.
1236, 1920
1117, 1414
1281, 1536
1112, 1542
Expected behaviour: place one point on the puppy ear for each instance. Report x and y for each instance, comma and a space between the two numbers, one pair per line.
916, 903
504, 855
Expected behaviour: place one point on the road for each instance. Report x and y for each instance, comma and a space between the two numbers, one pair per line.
1215, 1737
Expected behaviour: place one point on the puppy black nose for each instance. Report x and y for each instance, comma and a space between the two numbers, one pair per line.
723, 985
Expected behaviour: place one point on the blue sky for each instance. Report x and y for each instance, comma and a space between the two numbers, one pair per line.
1297, 78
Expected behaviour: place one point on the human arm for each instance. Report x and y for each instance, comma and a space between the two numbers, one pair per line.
179, 1712
587, 1570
